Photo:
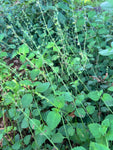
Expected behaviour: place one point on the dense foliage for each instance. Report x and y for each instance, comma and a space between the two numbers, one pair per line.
56, 75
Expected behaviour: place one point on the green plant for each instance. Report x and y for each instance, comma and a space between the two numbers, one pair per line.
56, 85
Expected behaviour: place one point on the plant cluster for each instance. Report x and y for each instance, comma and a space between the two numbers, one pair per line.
56, 76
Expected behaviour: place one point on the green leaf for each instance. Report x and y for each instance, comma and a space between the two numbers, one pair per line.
24, 49
90, 109
109, 134
102, 31
94, 129
34, 73
27, 139
25, 83
40, 139
63, 6
31, 56
57, 138
104, 126
68, 97
34, 123
2, 35
79, 99
56, 49
80, 113
16, 146
50, 45
107, 99
1, 136
42, 87
95, 95
8, 99
26, 100
39, 63
107, 5
49, 8
59, 101
112, 44
106, 52
96, 146
22, 58
24, 123
71, 131
61, 18
3, 54
110, 88
82, 132
78, 148
53, 119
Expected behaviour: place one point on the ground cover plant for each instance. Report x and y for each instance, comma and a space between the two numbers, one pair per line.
56, 79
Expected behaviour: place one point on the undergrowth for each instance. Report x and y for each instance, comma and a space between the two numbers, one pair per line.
56, 75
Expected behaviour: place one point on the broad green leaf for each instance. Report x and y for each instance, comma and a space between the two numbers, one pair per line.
39, 63
71, 131
80, 22
63, 6
102, 31
90, 109
2, 35
79, 99
10, 84
96, 146
107, 5
25, 83
16, 146
8, 99
68, 97
53, 119
34, 73
24, 123
59, 101
40, 139
110, 117
3, 54
57, 138
49, 23
106, 52
46, 8
50, 45
111, 44
110, 88
106, 123
104, 126
82, 132
56, 49
47, 130
22, 58
95, 95
27, 139
8, 129
107, 99
42, 87
24, 49
35, 124
109, 134
31, 55
61, 18
26, 100
78, 148
94, 129
80, 113
1, 136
